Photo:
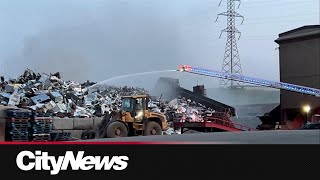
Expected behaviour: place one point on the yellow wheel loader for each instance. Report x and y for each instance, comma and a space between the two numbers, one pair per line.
134, 118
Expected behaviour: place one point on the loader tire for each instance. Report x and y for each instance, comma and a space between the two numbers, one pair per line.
152, 128
116, 129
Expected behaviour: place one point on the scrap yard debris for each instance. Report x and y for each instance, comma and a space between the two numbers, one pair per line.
48, 93
186, 110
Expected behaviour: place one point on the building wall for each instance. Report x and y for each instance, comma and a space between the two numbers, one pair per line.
300, 64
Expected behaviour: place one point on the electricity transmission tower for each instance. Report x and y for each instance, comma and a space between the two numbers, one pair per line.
231, 61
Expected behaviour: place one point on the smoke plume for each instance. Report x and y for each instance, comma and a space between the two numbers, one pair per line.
123, 39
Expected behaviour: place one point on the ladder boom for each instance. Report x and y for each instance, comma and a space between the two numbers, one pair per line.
251, 80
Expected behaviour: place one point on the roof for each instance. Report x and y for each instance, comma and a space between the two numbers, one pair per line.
218, 106
298, 34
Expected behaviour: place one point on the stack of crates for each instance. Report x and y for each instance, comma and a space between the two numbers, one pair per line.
41, 127
18, 123
64, 136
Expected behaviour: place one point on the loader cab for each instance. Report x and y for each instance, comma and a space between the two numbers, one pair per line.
135, 105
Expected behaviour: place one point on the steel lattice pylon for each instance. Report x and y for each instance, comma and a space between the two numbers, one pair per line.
231, 61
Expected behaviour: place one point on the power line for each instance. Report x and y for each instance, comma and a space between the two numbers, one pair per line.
257, 38
262, 38
275, 17
278, 3
275, 22
254, 23
272, 1
252, 37
258, 2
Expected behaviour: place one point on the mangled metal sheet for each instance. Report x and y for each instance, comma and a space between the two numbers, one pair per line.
37, 106
5, 95
62, 108
50, 105
14, 99
9, 88
40, 98
173, 104
47, 84
58, 98
74, 97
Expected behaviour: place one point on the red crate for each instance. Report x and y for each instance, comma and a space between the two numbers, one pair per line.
40, 119
19, 120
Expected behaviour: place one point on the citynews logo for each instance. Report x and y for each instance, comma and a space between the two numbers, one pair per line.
42, 161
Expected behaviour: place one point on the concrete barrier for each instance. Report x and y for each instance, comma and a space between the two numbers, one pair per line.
63, 123
76, 123
82, 123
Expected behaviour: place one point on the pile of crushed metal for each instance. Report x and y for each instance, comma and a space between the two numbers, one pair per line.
48, 93
186, 110
182, 110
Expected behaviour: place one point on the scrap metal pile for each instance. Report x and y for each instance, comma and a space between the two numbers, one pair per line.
181, 109
185, 110
48, 93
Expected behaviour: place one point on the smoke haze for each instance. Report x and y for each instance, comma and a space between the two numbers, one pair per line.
96, 40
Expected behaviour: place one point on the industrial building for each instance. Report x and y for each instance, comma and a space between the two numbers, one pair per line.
299, 51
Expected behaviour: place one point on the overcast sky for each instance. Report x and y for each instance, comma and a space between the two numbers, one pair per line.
100, 39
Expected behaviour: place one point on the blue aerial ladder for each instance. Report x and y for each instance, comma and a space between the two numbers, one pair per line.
250, 80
